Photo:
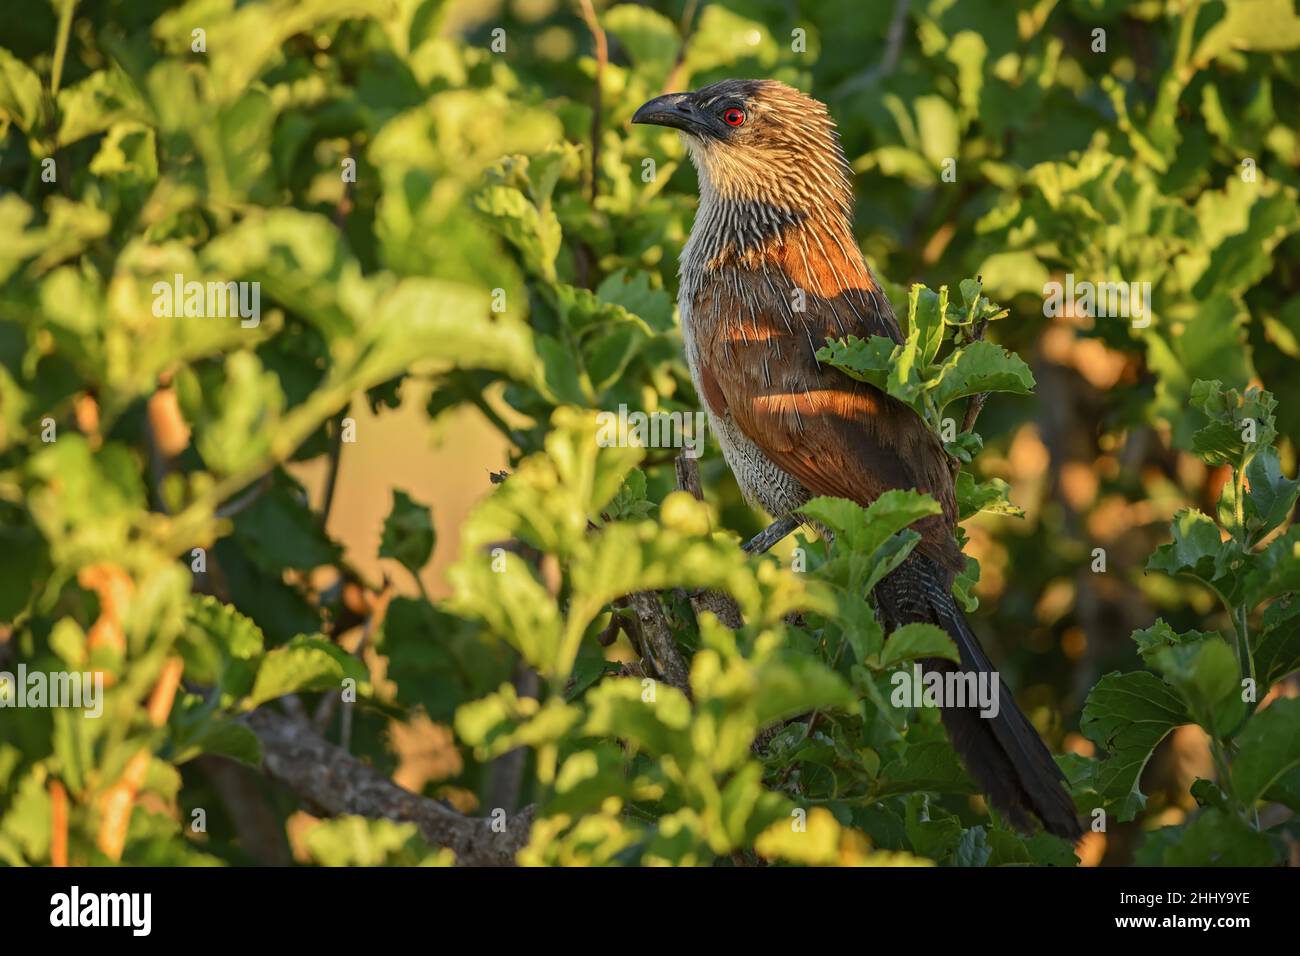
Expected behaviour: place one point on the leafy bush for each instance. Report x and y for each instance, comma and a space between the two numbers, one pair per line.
421, 197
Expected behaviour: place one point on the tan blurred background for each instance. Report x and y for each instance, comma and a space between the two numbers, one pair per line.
445, 466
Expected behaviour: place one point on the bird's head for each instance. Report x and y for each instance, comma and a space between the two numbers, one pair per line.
759, 141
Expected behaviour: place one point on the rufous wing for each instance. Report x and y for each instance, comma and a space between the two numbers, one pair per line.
836, 435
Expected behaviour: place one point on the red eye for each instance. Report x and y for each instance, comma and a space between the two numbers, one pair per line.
733, 116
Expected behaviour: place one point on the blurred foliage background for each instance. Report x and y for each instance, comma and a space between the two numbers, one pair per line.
505, 256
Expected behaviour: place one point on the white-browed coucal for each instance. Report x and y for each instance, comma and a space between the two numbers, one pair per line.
770, 272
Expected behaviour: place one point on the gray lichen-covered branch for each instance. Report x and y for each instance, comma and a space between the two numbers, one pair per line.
331, 781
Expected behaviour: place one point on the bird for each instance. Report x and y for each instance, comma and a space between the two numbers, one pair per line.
770, 271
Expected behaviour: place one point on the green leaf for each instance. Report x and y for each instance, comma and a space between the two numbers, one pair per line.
650, 37
868, 360
650, 716
1275, 570
357, 841
1270, 496
933, 833
1127, 715
550, 498
630, 502
926, 312
609, 349
965, 447
866, 529
301, 262
936, 122
438, 660
992, 496
636, 295
1240, 425
932, 765
304, 664
858, 623
973, 849
512, 603
981, 367
503, 721
24, 564
1205, 673
408, 533
722, 37
223, 738
534, 232
1286, 790
27, 823
1267, 750
1047, 850
904, 381
235, 413
220, 646
1009, 274
437, 324
1255, 25
279, 530
917, 642
1199, 551
1153, 639
1216, 838
794, 684
103, 98
1277, 651
20, 92
128, 153
1241, 259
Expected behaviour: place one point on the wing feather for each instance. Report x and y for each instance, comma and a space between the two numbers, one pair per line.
836, 435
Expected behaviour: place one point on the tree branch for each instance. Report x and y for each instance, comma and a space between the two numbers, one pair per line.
333, 782
659, 640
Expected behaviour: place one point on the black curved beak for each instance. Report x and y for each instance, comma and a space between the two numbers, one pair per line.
674, 110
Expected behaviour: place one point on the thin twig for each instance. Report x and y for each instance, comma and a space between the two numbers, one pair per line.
687, 26
236, 505
332, 474
61, 46
325, 709
770, 536
506, 772
617, 623
602, 57
157, 465
889, 60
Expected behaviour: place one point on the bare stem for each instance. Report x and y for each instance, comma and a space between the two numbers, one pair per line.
332, 475
61, 45
602, 57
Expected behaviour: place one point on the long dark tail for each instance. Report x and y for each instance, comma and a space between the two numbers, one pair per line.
1004, 754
